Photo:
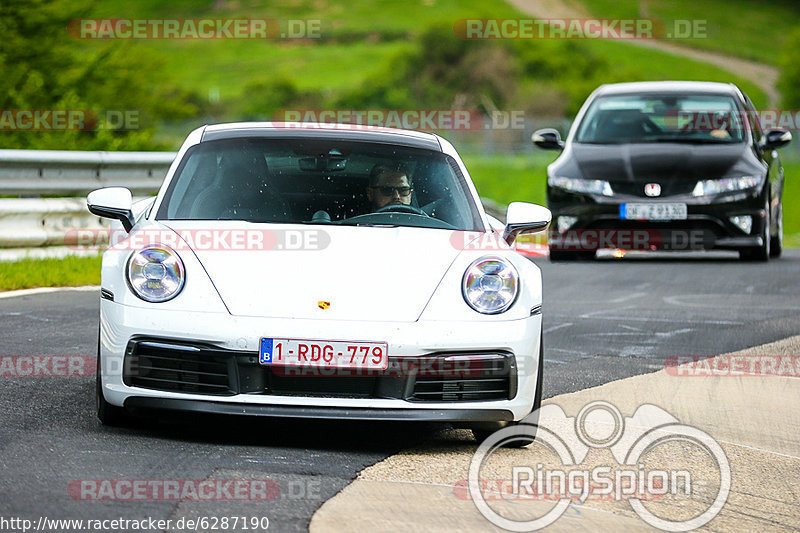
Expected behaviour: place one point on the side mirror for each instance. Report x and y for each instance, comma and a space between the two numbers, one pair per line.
547, 139
523, 217
775, 139
112, 202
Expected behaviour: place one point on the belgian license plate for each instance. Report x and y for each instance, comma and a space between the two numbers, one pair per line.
323, 353
652, 211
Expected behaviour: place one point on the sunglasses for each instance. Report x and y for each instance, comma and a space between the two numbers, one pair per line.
386, 190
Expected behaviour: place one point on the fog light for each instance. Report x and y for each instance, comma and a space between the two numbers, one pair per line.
744, 223
564, 223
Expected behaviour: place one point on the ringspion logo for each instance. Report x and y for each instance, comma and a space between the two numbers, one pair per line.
654, 457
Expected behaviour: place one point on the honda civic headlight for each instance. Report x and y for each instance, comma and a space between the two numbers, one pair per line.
155, 274
711, 187
490, 285
580, 185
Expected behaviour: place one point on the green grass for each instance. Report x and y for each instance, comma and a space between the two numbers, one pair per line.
643, 64
337, 18
70, 271
511, 178
359, 39
791, 203
744, 28
228, 68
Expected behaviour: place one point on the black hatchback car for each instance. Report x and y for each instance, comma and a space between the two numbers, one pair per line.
666, 166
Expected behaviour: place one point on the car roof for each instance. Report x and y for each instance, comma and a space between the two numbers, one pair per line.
313, 130
669, 87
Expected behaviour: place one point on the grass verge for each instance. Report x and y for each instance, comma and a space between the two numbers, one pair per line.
70, 271
743, 28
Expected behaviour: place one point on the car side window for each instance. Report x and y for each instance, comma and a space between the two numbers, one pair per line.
753, 119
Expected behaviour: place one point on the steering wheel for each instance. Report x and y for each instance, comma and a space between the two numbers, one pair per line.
401, 208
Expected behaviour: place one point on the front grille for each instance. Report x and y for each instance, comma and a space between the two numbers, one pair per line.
669, 187
179, 366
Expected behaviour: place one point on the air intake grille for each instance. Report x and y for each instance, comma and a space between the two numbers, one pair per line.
175, 367
469, 378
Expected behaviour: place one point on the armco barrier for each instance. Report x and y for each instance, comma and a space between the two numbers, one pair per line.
72, 173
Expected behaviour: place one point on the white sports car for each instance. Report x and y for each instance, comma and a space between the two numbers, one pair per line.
324, 271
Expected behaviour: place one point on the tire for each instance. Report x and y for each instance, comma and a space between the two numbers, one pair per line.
482, 431
109, 415
776, 245
761, 253
562, 255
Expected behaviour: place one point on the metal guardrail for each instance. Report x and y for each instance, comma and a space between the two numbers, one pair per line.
30, 223
73, 173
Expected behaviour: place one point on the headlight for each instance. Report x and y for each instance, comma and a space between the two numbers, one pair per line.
155, 274
709, 187
490, 285
580, 185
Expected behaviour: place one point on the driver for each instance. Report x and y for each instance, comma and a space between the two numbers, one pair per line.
388, 187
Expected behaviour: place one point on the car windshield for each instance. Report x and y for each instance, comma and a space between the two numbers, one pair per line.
319, 182
641, 118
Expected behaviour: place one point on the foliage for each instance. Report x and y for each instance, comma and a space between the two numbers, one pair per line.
46, 69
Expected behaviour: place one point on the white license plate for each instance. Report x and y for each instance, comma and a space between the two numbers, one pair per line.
652, 211
323, 353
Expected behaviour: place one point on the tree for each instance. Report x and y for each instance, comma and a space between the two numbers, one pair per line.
115, 87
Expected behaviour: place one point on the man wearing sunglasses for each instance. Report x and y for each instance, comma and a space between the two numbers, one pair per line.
388, 187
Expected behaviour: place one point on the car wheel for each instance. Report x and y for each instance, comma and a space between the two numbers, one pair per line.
109, 415
761, 253
483, 430
776, 246
562, 255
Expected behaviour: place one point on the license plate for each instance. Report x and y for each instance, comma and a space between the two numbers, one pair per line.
652, 211
322, 353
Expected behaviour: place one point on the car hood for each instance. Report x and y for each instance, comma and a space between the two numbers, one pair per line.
326, 272
656, 161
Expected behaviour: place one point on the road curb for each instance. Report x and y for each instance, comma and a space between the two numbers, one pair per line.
754, 418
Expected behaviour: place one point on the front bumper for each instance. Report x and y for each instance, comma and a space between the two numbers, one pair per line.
245, 387
708, 224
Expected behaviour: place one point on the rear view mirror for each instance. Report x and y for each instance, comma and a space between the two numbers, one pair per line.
332, 161
522, 217
547, 139
112, 202
775, 139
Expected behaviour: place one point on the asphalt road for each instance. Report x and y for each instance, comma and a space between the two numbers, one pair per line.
604, 320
